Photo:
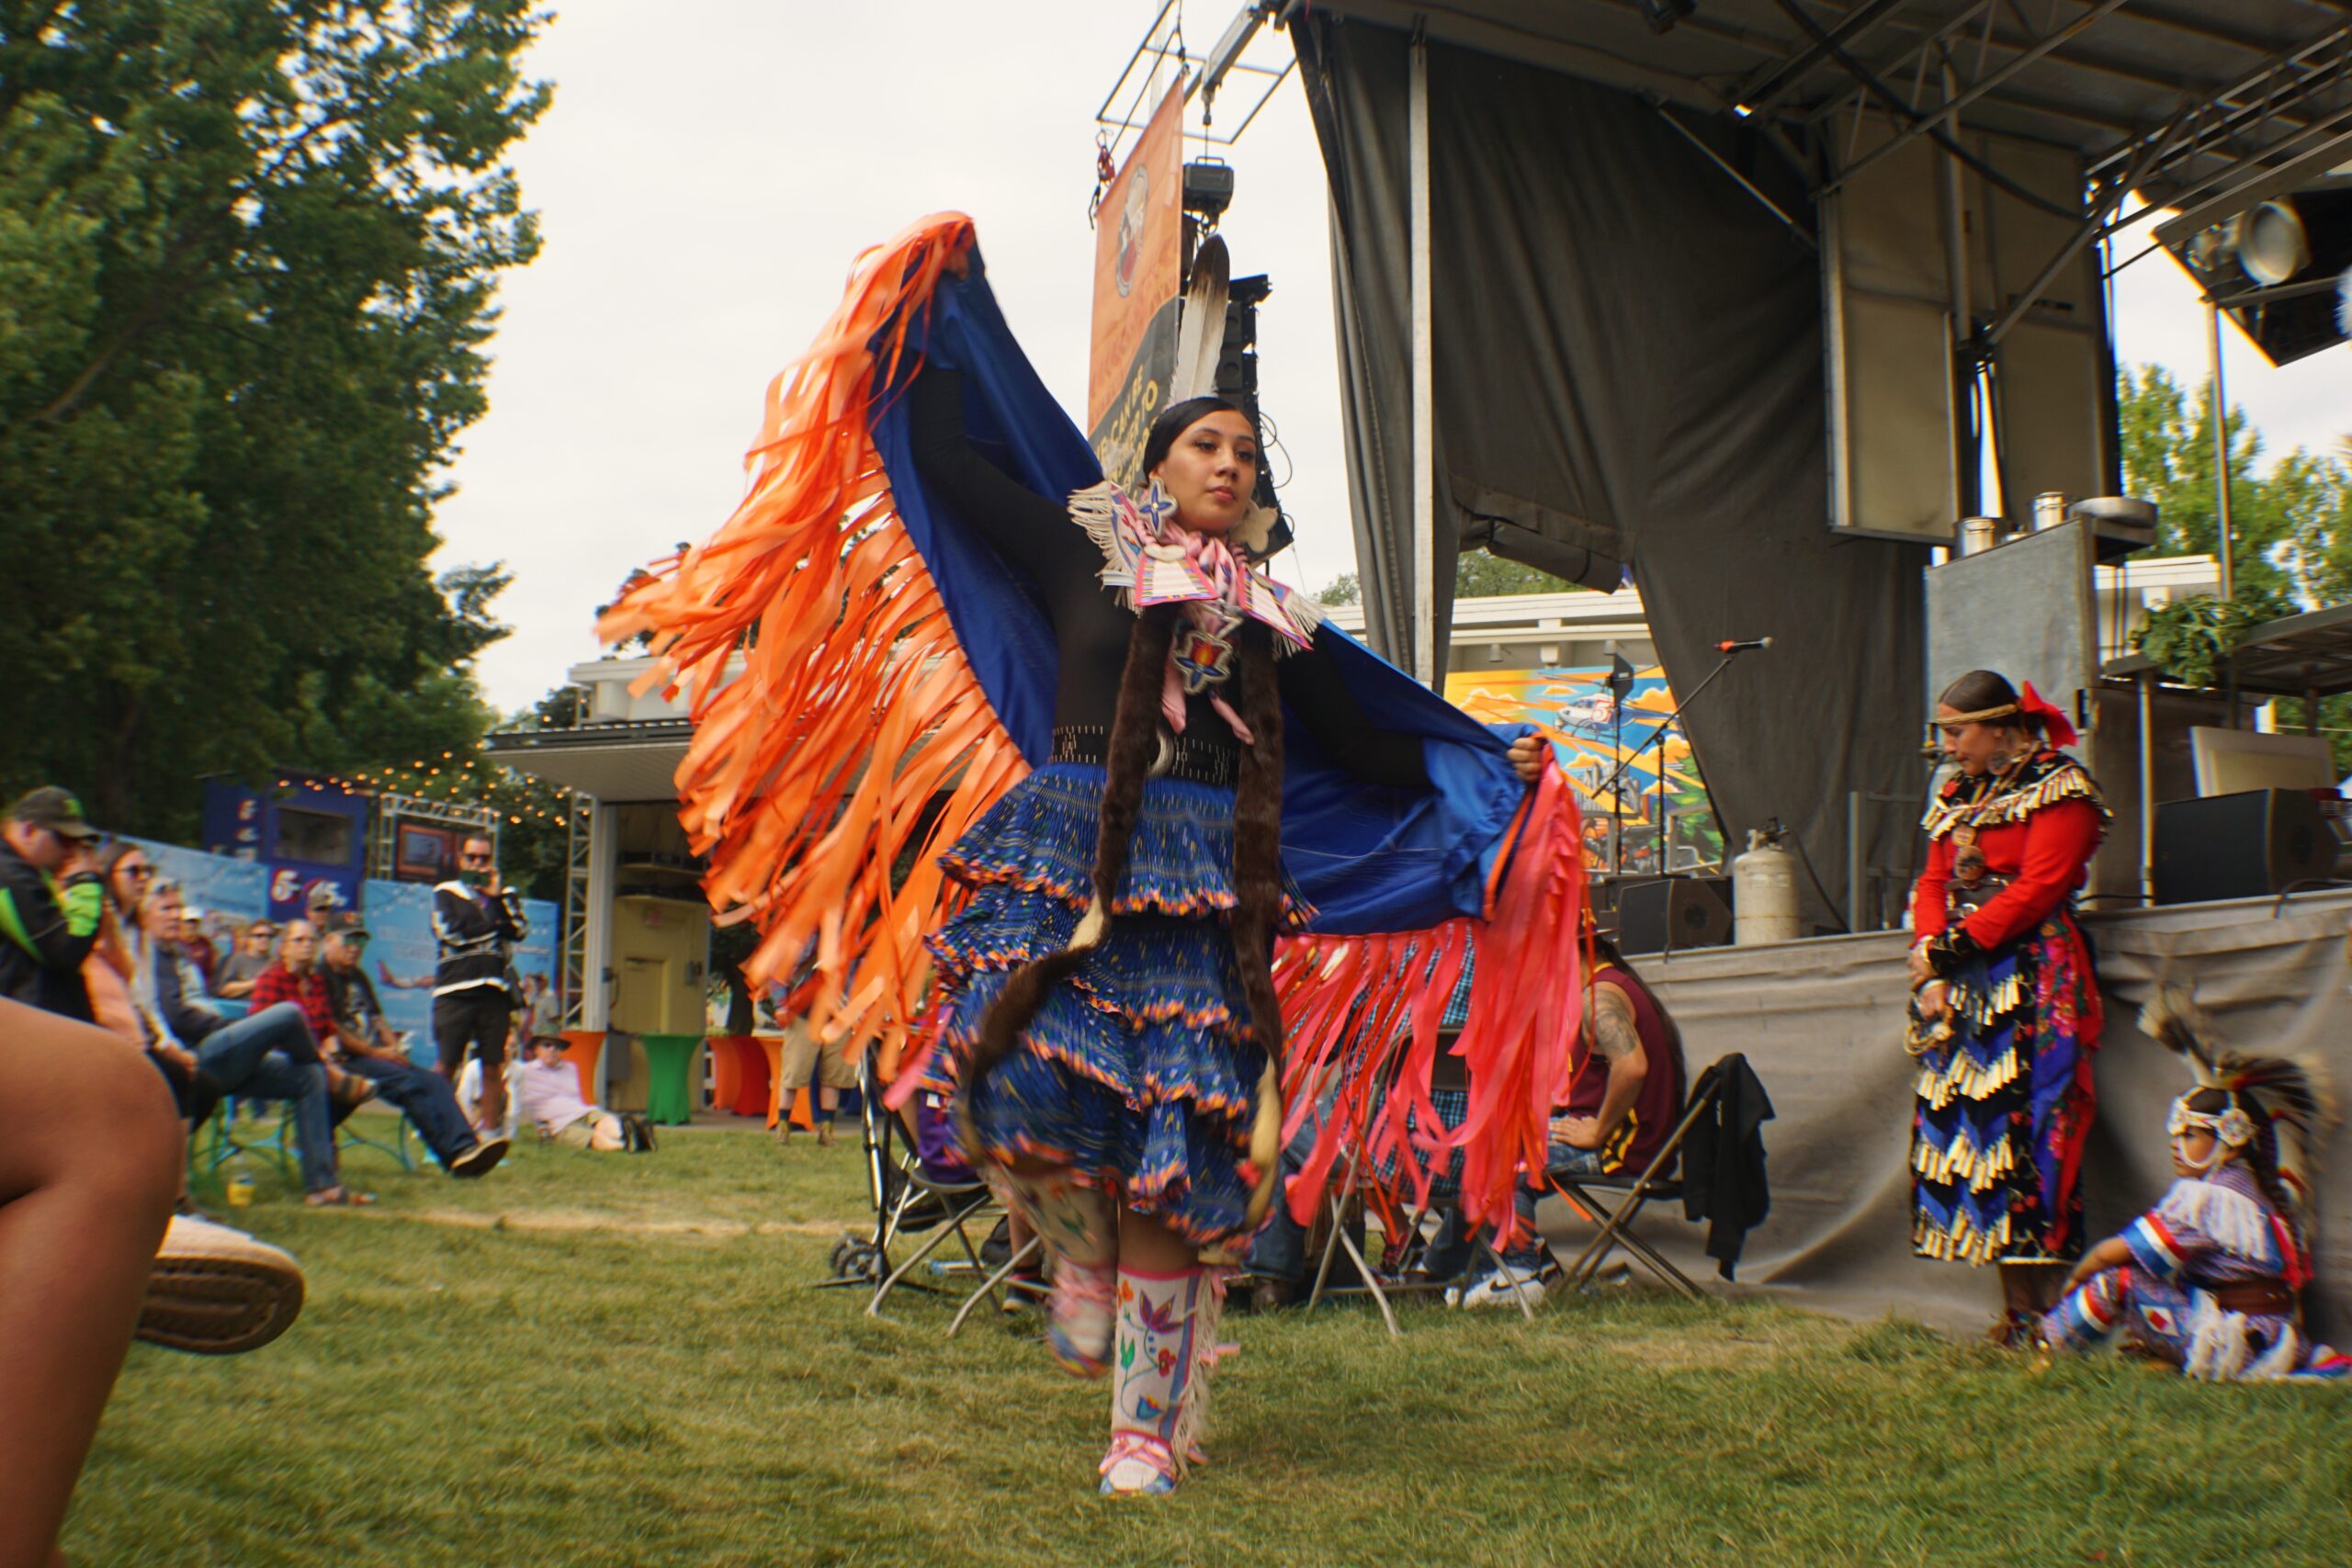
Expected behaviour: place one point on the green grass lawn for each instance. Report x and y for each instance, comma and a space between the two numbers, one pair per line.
605, 1360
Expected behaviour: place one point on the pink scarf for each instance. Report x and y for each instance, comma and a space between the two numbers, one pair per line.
1216, 618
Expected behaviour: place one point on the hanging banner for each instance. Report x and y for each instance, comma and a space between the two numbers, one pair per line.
1138, 277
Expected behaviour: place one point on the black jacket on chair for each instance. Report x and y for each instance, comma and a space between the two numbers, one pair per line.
1722, 1161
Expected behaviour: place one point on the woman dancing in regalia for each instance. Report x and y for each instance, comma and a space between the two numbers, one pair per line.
1152, 765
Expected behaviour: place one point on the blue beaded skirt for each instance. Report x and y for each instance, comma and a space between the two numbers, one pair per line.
1140, 1072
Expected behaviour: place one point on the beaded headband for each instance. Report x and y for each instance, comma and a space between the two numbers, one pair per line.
2006, 710
2232, 1125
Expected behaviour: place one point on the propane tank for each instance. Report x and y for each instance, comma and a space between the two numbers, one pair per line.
1764, 893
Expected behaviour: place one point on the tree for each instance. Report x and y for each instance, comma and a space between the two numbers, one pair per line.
247, 256
1344, 589
1477, 575
2292, 529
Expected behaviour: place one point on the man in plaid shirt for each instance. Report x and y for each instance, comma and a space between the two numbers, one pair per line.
295, 978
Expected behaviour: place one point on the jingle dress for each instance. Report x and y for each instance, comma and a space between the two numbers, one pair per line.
2004, 1093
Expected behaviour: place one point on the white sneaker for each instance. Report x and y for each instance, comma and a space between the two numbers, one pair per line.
1502, 1288
216, 1291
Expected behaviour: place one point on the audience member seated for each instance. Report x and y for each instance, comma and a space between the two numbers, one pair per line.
196, 947
123, 873
123, 952
89, 1160
1621, 1108
546, 1094
369, 1048
51, 902
270, 1054
234, 982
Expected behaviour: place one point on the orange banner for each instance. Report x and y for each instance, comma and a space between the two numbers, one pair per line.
1138, 273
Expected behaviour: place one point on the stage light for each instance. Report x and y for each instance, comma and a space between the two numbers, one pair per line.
2272, 243
1661, 15
1209, 189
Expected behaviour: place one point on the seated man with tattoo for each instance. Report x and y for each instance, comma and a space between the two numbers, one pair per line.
1620, 1107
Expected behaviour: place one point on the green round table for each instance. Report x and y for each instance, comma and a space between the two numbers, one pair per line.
669, 1097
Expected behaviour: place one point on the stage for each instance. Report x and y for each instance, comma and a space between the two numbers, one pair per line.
1821, 1021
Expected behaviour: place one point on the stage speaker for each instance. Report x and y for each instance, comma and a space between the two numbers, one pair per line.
2240, 846
1672, 913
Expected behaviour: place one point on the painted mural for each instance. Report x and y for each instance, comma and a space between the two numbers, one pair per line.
1573, 708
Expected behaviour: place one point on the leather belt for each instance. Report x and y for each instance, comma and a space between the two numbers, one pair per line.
2259, 1298
1973, 895
1180, 756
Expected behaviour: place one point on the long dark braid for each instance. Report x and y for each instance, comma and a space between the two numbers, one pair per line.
1258, 834
1256, 854
1257, 892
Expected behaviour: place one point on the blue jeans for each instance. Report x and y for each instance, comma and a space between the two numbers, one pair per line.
1279, 1250
270, 1056
427, 1098
1450, 1252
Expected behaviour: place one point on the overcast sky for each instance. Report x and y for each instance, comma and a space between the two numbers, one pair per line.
710, 168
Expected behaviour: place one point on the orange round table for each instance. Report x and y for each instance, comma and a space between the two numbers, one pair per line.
739, 1074
581, 1047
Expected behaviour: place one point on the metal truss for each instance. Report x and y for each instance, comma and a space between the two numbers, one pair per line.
383, 826
580, 820
2216, 153
1128, 106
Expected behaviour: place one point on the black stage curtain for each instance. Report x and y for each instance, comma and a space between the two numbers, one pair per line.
1628, 360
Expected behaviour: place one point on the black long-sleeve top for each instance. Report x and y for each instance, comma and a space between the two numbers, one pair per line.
1035, 534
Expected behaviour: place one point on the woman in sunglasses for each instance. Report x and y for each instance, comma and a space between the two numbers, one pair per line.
2005, 1010
117, 967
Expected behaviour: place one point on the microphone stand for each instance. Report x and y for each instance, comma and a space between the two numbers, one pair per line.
1667, 723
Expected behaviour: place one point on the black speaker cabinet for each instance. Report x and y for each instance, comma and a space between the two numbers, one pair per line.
2240, 846
1673, 912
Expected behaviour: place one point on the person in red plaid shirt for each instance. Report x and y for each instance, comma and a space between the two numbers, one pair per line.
295, 978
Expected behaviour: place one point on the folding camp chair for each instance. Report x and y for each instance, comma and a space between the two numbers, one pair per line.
217, 1142
348, 1137
960, 1203
1634, 1193
995, 1284
907, 1200
1360, 1180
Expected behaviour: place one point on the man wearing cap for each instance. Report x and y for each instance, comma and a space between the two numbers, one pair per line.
371, 1050
52, 901
198, 948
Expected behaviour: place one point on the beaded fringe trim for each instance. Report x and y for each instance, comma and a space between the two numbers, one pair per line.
2066, 781
1963, 1242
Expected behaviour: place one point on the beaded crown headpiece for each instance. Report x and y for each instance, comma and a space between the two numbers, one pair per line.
2276, 1108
